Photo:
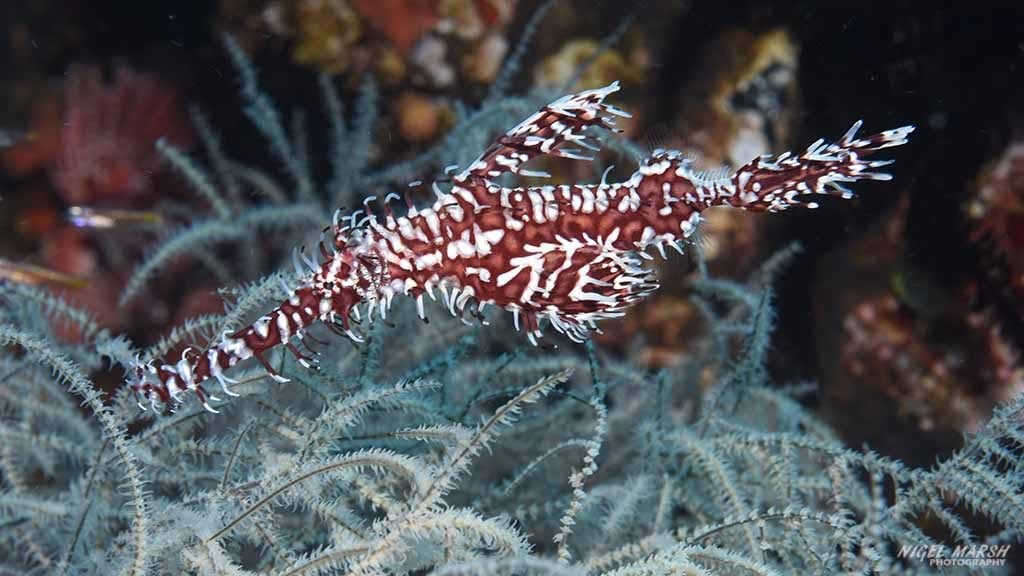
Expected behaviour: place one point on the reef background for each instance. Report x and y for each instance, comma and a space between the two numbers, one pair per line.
907, 304
956, 73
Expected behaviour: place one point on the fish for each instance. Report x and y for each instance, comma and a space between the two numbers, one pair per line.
31, 274
86, 217
566, 256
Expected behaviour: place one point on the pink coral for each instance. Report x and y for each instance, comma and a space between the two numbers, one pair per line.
106, 151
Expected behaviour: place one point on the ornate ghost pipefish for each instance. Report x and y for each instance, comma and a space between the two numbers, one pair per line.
570, 255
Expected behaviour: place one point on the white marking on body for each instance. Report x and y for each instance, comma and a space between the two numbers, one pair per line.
655, 168
432, 221
235, 348
466, 195
569, 247
690, 224
481, 246
428, 260
405, 228
184, 369
467, 293
465, 248
623, 204
283, 327
634, 199
601, 200
454, 209
550, 203
537, 205
588, 200
172, 386
494, 236
646, 236
576, 202
741, 181
262, 327
502, 160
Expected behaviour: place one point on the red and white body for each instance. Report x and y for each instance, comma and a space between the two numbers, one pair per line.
570, 255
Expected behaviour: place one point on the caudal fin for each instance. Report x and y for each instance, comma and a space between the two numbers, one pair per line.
775, 184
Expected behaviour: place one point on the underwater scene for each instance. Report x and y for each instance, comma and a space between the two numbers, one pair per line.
511, 287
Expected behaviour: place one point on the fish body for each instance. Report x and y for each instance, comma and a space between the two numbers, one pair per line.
566, 255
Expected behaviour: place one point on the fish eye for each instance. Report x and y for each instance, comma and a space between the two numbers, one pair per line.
329, 286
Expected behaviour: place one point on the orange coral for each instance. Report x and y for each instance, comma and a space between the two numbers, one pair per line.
420, 119
609, 66
325, 34
403, 22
